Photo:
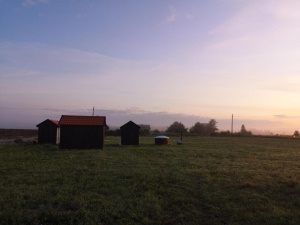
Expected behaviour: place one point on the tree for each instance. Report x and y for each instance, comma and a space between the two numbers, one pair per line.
116, 132
225, 133
155, 132
198, 128
243, 129
296, 133
176, 127
145, 129
212, 126
244, 132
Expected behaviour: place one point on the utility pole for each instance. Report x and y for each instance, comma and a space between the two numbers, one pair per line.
232, 124
93, 110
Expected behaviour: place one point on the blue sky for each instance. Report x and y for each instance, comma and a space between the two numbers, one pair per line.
152, 62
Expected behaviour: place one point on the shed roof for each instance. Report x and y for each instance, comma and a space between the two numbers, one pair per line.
161, 137
51, 120
82, 120
130, 124
54, 121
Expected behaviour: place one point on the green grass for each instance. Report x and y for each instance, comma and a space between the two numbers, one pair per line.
204, 181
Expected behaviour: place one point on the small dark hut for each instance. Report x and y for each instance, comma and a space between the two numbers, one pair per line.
130, 133
48, 132
82, 132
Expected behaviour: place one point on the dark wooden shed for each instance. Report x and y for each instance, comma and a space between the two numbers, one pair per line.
82, 132
130, 133
48, 132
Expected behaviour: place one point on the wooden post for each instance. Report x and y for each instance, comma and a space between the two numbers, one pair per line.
232, 124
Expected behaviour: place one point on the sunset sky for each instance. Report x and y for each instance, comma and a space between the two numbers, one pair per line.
152, 62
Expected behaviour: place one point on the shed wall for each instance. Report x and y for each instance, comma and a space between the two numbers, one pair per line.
129, 135
81, 137
47, 133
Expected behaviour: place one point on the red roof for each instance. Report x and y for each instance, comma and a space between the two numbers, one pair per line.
83, 120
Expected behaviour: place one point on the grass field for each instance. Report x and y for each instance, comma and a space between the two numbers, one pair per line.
207, 180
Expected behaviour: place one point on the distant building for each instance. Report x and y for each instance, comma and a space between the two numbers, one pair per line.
130, 133
48, 132
145, 126
82, 132
145, 129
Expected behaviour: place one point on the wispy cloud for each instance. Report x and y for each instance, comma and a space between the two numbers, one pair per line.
259, 21
33, 72
33, 2
261, 41
18, 61
173, 16
136, 110
287, 10
283, 116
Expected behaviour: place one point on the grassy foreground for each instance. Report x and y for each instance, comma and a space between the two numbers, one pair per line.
205, 181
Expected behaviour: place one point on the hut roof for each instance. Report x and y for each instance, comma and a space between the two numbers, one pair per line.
161, 137
53, 121
130, 123
82, 120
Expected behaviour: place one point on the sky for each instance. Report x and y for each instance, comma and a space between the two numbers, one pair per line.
152, 62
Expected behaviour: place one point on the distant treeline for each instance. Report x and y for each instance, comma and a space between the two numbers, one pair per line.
16, 133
